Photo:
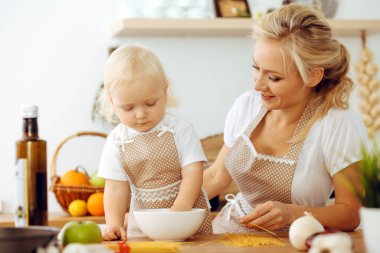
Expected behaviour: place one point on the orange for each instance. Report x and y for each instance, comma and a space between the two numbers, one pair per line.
95, 204
75, 177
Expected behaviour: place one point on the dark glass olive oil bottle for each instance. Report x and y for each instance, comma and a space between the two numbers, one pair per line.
31, 185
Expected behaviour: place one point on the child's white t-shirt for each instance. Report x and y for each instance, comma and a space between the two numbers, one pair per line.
189, 148
333, 143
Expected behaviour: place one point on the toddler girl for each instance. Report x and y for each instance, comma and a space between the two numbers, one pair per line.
157, 155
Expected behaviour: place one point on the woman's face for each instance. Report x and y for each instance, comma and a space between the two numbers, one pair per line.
280, 85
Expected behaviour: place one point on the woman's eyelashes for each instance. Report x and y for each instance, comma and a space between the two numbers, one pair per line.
274, 79
270, 77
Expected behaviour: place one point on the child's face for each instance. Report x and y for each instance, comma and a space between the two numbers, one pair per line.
140, 104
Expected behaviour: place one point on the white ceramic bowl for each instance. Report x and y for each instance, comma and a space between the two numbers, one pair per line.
164, 225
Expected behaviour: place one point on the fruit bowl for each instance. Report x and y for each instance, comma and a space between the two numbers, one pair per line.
26, 240
164, 225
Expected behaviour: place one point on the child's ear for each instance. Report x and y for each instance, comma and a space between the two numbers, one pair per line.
316, 76
166, 88
110, 98
111, 103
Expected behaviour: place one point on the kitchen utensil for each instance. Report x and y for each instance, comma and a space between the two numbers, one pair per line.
26, 239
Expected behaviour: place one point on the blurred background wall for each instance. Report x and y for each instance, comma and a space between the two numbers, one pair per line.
52, 54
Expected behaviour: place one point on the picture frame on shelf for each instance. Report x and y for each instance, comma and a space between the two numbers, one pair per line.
232, 9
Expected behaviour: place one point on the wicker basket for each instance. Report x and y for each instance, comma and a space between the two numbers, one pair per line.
66, 193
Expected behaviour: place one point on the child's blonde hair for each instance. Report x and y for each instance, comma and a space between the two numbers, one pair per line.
124, 65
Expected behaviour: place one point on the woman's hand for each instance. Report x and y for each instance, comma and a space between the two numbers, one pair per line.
114, 233
271, 215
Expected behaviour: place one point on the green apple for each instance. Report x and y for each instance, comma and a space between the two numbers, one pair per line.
81, 232
97, 181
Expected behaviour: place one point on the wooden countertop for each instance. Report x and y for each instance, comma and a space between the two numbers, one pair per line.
55, 219
58, 219
204, 244
211, 243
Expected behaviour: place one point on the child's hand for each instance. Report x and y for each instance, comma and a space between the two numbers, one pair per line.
179, 208
114, 233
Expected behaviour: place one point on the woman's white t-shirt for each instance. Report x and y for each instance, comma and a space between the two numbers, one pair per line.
333, 143
188, 145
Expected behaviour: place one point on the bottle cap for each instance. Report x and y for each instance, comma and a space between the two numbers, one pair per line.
29, 111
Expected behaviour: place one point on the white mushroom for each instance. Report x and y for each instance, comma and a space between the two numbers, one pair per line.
332, 243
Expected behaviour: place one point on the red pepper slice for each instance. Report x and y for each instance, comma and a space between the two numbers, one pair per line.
124, 248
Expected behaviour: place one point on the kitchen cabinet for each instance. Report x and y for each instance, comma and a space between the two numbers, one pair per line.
224, 27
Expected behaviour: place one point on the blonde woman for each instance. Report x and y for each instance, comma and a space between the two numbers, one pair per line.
157, 155
291, 140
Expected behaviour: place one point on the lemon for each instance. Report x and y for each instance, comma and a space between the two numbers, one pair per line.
77, 208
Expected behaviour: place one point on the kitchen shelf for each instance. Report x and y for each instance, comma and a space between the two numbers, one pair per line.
224, 27
55, 219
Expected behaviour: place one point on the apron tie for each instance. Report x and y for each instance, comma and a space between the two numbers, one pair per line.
164, 129
233, 205
122, 142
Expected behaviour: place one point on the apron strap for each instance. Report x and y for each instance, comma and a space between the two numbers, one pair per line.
295, 147
260, 115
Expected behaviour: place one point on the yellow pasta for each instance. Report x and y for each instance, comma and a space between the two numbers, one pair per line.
246, 240
147, 247
235, 240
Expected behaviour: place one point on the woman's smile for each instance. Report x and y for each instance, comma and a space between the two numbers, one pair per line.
267, 97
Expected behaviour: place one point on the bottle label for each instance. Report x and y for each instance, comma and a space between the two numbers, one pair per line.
21, 213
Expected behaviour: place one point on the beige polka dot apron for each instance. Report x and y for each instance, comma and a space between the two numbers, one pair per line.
259, 177
152, 165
